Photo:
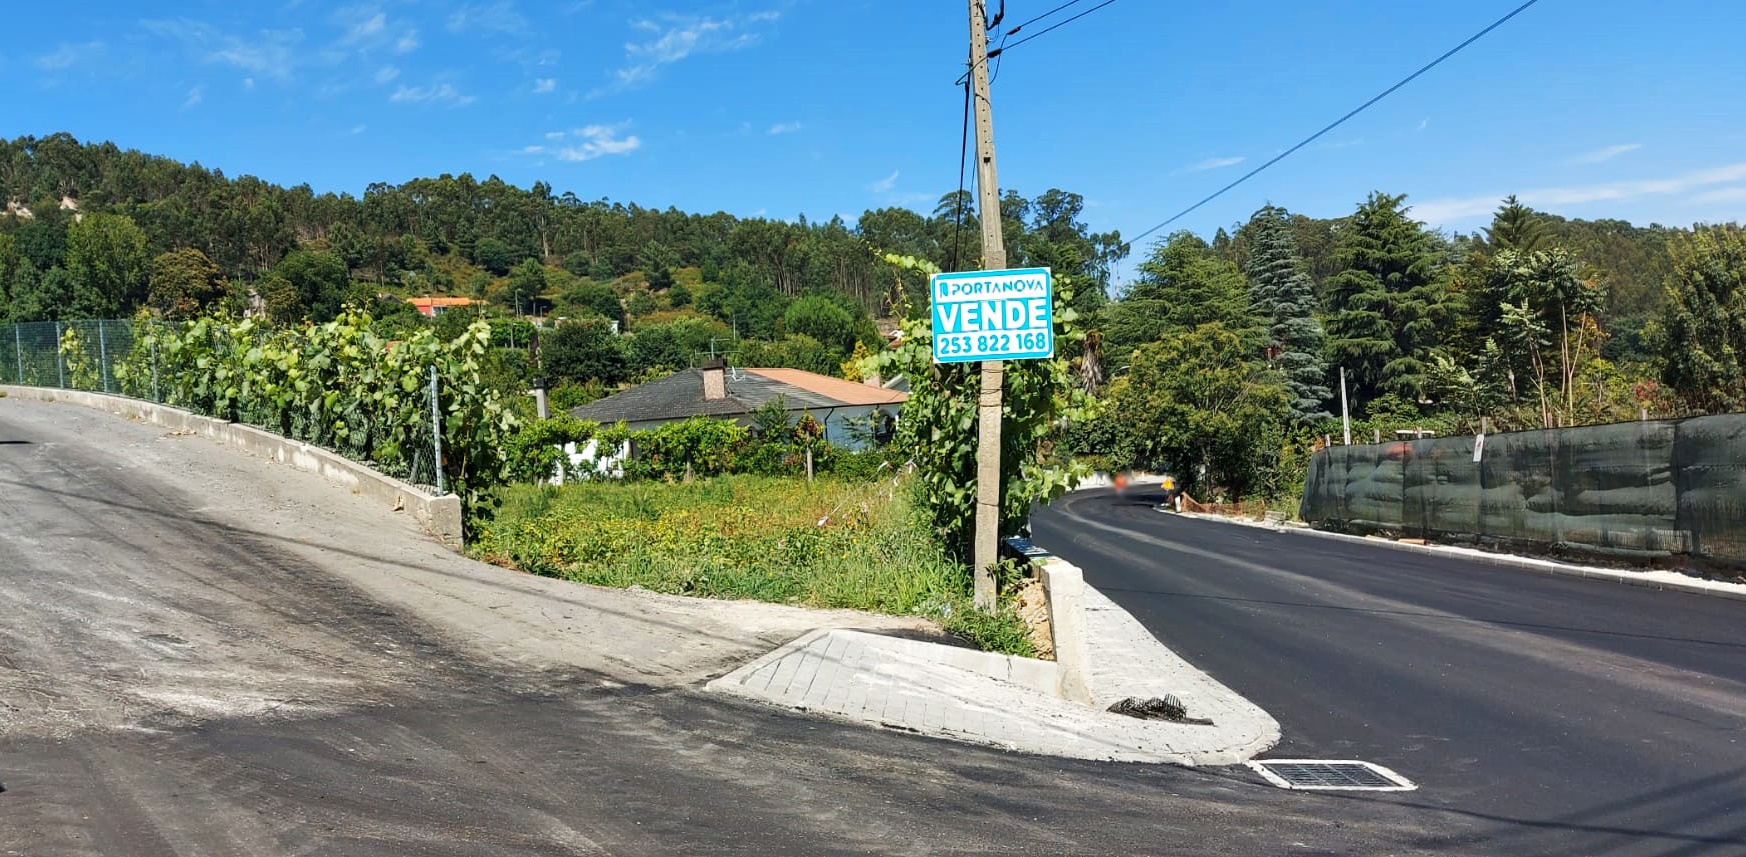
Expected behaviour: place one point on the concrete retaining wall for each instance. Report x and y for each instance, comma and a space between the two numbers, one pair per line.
439, 516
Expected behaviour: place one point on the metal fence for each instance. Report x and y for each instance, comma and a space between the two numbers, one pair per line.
1641, 491
101, 356
71, 355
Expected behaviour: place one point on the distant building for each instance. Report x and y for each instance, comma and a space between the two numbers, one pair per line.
844, 409
434, 307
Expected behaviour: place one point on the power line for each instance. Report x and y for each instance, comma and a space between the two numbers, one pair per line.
995, 54
1045, 31
1014, 30
1337, 122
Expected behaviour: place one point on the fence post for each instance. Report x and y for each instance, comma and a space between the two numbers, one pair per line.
60, 359
155, 396
18, 349
103, 355
436, 430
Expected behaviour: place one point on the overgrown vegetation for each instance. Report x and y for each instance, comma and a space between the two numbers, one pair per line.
341, 385
830, 543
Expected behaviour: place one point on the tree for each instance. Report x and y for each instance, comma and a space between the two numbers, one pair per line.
320, 280
584, 350
657, 262
1195, 404
106, 255
590, 297
1180, 287
674, 345
39, 296
1701, 339
1383, 305
11, 264
492, 255
1517, 227
1529, 302
526, 283
1285, 298
280, 300
184, 284
820, 318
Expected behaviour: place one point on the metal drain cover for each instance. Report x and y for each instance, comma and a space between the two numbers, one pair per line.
1331, 775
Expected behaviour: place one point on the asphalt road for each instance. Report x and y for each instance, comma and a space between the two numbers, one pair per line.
205, 654
1542, 714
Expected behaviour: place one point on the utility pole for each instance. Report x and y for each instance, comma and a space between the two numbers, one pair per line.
1345, 415
985, 552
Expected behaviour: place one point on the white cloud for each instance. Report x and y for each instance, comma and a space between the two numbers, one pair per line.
784, 127
386, 73
273, 53
68, 55
587, 143
407, 43
1601, 156
1423, 124
884, 185
677, 37
1451, 209
545, 84
441, 93
357, 129
195, 96
248, 83
1214, 164
365, 29
1726, 194
499, 17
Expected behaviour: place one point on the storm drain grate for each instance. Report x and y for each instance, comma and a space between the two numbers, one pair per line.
1331, 775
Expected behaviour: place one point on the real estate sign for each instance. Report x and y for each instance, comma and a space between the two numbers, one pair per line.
993, 315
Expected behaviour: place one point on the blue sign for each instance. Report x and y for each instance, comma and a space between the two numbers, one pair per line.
993, 315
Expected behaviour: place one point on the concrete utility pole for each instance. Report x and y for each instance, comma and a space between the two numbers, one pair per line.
993, 372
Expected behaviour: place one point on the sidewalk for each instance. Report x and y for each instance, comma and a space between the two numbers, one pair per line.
1018, 704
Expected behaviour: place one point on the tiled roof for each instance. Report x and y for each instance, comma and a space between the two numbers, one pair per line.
442, 302
847, 392
680, 395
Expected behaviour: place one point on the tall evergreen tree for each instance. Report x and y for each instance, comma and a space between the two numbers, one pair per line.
1383, 304
1517, 227
1285, 298
1180, 287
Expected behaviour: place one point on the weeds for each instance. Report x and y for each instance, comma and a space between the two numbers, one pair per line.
830, 543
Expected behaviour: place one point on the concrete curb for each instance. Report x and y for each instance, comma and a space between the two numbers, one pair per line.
439, 516
1104, 655
1647, 579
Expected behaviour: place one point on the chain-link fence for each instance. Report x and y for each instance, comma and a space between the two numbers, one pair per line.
1642, 491
397, 435
72, 355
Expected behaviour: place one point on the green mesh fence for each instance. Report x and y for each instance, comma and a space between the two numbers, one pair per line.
1638, 491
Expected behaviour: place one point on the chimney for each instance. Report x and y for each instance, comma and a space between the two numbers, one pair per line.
714, 379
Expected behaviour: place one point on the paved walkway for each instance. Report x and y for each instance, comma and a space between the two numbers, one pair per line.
1013, 703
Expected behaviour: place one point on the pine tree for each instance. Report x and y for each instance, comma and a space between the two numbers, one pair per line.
1180, 287
1285, 298
1517, 227
1383, 303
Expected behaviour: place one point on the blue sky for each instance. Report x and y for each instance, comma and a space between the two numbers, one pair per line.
1587, 108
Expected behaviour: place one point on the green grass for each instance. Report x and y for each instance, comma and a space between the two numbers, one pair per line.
746, 537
